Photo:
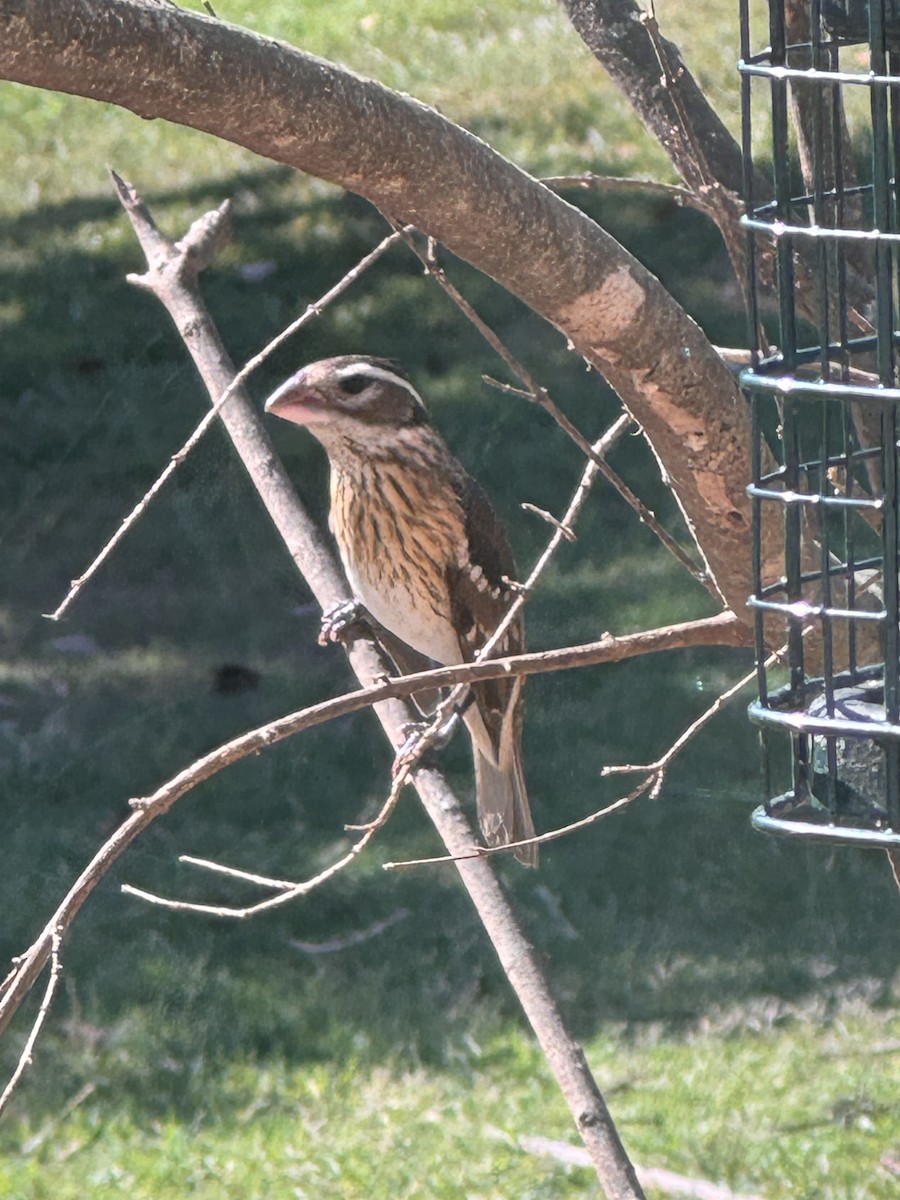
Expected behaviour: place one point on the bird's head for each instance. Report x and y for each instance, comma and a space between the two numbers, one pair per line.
353, 396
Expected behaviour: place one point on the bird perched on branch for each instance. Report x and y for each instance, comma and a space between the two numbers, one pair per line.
424, 552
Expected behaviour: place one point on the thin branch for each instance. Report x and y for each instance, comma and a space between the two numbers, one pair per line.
27, 1050
612, 184
541, 396
48, 1130
551, 835
655, 776
292, 892
357, 938
206, 864
723, 629
129, 199
656, 771
568, 534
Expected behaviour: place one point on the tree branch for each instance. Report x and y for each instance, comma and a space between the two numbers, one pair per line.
413, 163
27, 1050
172, 277
723, 629
650, 72
540, 396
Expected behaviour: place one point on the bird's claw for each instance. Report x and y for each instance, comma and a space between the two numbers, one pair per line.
339, 621
413, 732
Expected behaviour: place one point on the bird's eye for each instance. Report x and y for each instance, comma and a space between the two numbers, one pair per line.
354, 384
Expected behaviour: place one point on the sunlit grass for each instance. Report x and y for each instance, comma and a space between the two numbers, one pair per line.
515, 73
780, 1101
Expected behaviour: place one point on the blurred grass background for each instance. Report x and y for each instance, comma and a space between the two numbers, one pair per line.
738, 997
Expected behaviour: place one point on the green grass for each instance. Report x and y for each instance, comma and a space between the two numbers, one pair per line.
516, 73
739, 997
714, 1104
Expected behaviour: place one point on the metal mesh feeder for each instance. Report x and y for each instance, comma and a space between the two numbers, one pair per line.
823, 224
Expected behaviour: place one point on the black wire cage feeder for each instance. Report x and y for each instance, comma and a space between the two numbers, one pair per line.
822, 80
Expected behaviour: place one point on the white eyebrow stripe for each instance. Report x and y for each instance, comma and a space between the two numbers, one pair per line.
364, 368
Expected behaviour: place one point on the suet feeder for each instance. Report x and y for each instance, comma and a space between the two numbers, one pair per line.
823, 229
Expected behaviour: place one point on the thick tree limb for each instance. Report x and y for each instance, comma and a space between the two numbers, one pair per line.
411, 162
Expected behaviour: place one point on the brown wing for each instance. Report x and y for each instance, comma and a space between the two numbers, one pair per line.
479, 599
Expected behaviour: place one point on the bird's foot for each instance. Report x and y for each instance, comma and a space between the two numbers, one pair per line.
338, 623
414, 731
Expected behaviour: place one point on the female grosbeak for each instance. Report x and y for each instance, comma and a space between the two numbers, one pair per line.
424, 552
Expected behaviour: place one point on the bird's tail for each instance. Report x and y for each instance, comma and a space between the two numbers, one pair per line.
503, 811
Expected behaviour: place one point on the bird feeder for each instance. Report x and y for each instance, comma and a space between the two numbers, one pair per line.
821, 84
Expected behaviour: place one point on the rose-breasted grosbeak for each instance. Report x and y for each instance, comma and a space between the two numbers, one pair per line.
423, 550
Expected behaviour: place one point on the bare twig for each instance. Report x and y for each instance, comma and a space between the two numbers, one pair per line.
159, 246
541, 396
27, 1050
612, 184
724, 629
568, 534
522, 969
50, 1127
357, 938
206, 864
655, 777
551, 835
656, 771
285, 894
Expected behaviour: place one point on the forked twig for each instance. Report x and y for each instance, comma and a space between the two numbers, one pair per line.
27, 1050
655, 776
197, 262
611, 184
539, 395
287, 893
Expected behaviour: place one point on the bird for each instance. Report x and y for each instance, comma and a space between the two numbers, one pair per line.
424, 552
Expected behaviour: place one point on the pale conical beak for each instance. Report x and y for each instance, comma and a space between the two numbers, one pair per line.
290, 390
298, 401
